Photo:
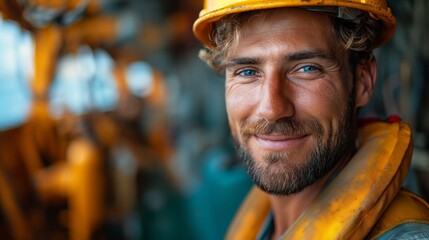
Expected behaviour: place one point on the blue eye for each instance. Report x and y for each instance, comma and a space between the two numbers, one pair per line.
309, 68
247, 72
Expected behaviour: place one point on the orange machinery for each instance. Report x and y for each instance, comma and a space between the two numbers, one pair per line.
59, 163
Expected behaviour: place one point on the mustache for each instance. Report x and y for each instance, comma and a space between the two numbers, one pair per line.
286, 126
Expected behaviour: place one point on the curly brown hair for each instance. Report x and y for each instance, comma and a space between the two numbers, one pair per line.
356, 39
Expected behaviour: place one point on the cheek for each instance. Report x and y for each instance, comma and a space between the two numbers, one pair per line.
239, 106
325, 103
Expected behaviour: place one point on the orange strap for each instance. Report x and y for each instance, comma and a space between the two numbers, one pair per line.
406, 207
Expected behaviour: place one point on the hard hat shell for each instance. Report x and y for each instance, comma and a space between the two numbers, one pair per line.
216, 9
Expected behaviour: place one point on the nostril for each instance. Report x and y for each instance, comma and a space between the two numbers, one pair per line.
275, 107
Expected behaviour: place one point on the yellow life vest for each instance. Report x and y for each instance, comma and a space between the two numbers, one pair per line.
363, 201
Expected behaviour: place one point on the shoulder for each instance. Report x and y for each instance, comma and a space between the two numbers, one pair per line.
407, 231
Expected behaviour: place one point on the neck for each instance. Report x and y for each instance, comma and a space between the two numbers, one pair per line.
286, 209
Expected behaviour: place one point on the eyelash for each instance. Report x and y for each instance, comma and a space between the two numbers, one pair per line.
303, 69
241, 72
314, 68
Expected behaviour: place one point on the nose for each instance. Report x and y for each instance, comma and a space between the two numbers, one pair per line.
275, 99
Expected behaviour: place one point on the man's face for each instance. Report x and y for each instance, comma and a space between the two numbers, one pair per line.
290, 106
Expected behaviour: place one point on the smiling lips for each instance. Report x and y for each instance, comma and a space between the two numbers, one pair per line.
280, 142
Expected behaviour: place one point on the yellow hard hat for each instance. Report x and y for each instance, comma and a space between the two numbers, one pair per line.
216, 9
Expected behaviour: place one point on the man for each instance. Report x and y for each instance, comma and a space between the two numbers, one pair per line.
297, 73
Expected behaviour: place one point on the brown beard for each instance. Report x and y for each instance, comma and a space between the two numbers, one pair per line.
279, 176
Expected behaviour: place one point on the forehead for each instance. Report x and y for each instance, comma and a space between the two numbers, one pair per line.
289, 26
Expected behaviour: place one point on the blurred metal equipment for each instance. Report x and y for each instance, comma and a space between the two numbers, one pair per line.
43, 12
58, 168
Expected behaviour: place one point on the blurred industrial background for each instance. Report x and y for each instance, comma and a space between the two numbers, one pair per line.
112, 128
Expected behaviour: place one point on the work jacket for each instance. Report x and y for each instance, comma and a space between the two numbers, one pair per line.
365, 199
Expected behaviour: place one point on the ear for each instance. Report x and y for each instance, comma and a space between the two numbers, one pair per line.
366, 76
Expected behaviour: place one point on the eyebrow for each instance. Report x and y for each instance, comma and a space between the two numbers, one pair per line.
243, 61
288, 58
309, 55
